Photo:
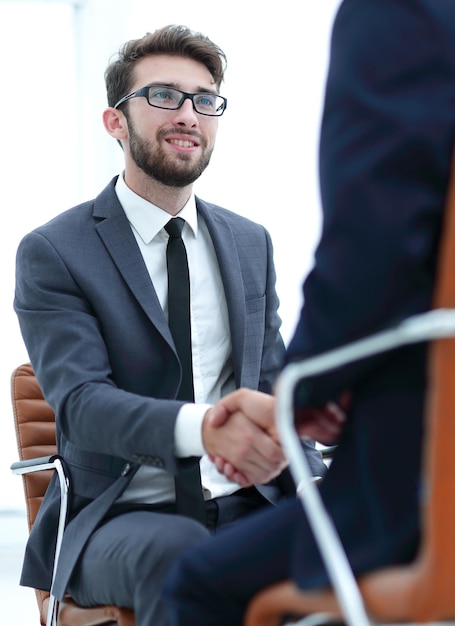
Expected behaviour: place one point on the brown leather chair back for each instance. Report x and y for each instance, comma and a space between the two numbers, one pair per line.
34, 422
35, 433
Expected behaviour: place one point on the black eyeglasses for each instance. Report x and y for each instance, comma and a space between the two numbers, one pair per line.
164, 97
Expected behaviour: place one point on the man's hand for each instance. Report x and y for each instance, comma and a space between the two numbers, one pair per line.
323, 424
240, 437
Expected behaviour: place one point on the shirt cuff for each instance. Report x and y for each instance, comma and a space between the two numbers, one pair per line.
188, 430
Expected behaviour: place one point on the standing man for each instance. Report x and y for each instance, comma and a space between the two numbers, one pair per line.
387, 141
132, 396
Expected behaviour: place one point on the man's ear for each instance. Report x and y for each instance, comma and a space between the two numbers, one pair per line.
115, 123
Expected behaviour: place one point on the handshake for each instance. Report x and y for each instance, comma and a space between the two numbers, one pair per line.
240, 436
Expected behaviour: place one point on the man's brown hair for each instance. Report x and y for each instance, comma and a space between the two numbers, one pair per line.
173, 40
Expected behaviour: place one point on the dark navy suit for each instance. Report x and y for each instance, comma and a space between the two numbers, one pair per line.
102, 351
387, 138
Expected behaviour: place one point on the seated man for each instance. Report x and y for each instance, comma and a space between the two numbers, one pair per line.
387, 140
101, 316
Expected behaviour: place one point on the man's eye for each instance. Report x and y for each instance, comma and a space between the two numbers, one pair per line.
206, 100
162, 94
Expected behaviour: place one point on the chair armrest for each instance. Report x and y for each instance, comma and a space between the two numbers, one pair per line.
33, 465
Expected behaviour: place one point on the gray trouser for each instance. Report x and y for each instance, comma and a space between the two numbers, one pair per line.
127, 558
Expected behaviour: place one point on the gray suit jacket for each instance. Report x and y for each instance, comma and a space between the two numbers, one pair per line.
103, 354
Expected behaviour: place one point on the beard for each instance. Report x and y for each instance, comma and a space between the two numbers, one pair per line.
176, 171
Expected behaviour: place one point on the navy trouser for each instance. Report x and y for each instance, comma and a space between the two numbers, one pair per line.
244, 561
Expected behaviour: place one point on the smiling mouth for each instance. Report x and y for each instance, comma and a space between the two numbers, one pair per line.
183, 143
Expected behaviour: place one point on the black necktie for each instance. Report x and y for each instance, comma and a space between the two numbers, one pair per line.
188, 489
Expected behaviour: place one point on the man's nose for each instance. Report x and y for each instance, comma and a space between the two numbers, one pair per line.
186, 113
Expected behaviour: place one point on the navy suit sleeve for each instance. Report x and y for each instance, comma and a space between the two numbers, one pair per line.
386, 142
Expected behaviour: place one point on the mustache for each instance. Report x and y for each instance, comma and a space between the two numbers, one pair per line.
163, 133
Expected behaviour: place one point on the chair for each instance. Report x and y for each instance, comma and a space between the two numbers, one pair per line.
35, 432
423, 591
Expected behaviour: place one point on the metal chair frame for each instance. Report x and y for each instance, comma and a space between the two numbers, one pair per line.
39, 464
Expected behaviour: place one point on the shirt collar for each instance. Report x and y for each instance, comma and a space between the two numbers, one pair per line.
147, 218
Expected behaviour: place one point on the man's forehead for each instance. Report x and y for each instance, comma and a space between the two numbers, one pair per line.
177, 71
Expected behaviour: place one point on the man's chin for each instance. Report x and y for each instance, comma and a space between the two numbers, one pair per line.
178, 180
178, 176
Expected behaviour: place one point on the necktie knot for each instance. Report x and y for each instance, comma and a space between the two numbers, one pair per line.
174, 227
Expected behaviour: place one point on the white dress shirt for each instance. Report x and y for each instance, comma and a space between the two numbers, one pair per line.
213, 374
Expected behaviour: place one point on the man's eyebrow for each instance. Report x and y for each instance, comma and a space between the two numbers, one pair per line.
174, 85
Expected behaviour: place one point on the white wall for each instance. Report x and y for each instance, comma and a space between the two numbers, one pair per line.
55, 151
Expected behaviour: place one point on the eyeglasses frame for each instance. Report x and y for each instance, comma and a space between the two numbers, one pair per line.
144, 91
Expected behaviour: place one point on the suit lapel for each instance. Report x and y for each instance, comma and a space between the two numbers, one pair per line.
115, 232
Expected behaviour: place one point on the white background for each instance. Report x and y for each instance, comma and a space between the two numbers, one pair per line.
55, 152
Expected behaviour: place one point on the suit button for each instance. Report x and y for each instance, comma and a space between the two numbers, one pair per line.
125, 470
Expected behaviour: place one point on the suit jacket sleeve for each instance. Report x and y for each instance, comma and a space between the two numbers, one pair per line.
386, 144
273, 348
66, 338
272, 360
